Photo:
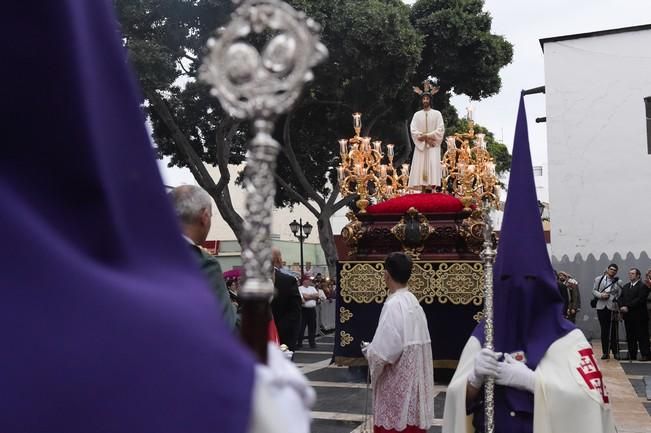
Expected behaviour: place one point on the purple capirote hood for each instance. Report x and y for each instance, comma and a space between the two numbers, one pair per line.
527, 304
105, 323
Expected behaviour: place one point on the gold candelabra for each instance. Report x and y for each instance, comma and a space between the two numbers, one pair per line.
362, 171
469, 172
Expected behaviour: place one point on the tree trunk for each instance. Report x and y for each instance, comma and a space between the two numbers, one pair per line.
327, 240
218, 191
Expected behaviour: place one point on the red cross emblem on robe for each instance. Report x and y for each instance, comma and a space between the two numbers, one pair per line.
589, 371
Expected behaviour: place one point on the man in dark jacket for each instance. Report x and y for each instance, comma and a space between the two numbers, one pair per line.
286, 303
636, 317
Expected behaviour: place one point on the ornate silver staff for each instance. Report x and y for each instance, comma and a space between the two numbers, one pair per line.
260, 85
488, 256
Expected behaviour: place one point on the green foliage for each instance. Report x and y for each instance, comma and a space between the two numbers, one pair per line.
374, 52
378, 50
165, 40
459, 48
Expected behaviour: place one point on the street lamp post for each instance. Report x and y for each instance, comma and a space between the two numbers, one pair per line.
301, 232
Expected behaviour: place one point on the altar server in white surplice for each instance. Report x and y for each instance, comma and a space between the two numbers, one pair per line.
400, 357
427, 131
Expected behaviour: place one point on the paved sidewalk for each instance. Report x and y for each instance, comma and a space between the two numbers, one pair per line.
343, 400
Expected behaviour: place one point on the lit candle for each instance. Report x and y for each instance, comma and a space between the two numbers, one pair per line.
389, 190
383, 170
340, 174
390, 150
469, 110
357, 120
377, 144
343, 146
355, 147
480, 141
405, 169
491, 168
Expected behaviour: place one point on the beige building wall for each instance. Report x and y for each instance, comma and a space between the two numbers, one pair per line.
282, 236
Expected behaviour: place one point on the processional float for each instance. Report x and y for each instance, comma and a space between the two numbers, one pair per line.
449, 235
259, 85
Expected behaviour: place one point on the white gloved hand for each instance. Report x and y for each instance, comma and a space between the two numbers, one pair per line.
486, 364
282, 396
515, 374
364, 345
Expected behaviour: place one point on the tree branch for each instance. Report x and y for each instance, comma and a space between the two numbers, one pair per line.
223, 145
291, 191
333, 195
288, 150
326, 102
182, 67
219, 192
344, 202
372, 123
408, 146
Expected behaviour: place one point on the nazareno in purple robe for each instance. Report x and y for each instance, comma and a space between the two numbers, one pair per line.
527, 305
106, 325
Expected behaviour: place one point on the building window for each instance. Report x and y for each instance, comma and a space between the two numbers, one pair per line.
647, 105
537, 170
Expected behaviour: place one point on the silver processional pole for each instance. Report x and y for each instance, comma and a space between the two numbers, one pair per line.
488, 256
260, 85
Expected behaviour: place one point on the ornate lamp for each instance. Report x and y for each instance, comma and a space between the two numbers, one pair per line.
301, 232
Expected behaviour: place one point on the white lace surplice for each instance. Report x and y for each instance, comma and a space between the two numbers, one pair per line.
400, 362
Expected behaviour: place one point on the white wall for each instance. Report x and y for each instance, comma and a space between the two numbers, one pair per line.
599, 168
599, 172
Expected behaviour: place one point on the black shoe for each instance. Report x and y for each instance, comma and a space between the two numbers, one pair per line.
605, 356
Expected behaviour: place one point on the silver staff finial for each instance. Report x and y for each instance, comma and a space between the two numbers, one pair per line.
260, 85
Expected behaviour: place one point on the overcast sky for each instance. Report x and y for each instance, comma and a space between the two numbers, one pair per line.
524, 23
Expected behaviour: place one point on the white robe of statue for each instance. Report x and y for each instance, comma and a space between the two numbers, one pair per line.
400, 363
570, 395
427, 131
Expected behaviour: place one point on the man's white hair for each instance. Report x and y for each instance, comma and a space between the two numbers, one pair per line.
189, 201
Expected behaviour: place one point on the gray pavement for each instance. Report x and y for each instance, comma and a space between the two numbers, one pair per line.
342, 396
342, 400
638, 373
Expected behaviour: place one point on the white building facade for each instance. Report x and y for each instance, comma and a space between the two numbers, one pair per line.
598, 93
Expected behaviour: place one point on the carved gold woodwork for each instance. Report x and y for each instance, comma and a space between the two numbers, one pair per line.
352, 232
458, 283
412, 231
345, 339
344, 315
